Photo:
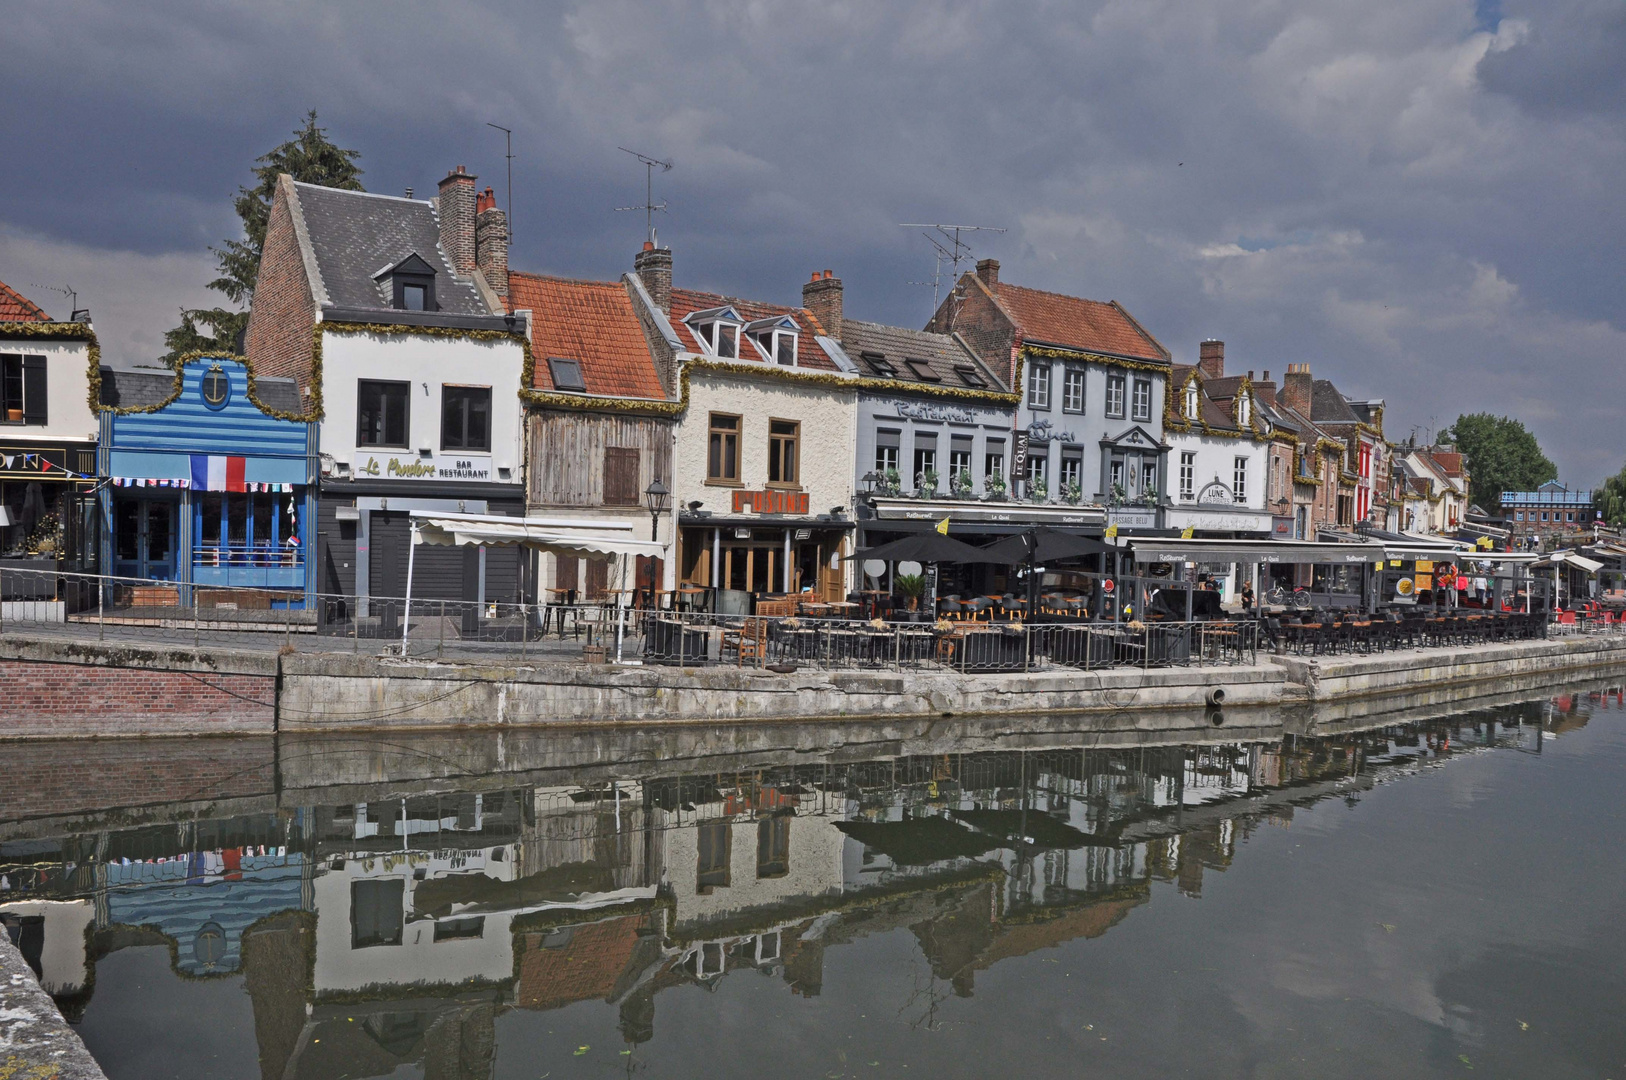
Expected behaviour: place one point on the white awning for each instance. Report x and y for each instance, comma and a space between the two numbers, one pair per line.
560, 537
1580, 562
1173, 549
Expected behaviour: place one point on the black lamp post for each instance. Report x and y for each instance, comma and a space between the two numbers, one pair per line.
659, 498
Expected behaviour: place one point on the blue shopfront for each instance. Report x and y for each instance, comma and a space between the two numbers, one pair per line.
206, 487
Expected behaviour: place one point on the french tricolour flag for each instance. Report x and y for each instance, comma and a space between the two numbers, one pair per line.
214, 472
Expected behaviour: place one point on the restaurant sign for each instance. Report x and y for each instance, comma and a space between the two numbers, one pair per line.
771, 502
433, 467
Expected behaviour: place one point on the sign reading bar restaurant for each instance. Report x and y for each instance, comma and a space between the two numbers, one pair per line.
771, 502
434, 467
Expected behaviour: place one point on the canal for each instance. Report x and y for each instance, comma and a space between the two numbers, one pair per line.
1424, 897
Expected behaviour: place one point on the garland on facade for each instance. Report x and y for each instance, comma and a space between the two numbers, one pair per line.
1095, 358
68, 332
179, 367
1176, 420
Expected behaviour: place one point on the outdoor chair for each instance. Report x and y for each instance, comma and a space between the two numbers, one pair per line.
750, 640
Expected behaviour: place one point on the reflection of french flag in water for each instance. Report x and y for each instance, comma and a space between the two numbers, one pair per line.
214, 472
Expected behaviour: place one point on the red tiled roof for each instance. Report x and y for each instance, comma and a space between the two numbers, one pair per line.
1078, 323
808, 353
587, 967
14, 307
1448, 460
593, 323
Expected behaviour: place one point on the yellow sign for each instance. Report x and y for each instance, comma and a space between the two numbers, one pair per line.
1378, 565
1425, 566
1186, 533
1484, 543
1394, 564
1112, 532
942, 526
1425, 581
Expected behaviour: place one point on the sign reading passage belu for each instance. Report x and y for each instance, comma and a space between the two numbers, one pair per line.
771, 502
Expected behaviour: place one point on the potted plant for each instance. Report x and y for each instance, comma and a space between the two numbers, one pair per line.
1072, 492
912, 587
1150, 496
994, 487
962, 484
891, 483
1118, 493
926, 484
1039, 491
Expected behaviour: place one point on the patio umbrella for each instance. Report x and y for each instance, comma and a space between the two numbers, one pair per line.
1045, 544
929, 547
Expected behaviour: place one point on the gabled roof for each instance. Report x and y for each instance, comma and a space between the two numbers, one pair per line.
1328, 406
353, 233
809, 354
1212, 413
939, 354
1075, 323
15, 307
593, 323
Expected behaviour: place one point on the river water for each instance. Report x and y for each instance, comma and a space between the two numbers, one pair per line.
1425, 898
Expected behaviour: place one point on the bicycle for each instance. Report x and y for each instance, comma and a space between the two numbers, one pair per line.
1298, 599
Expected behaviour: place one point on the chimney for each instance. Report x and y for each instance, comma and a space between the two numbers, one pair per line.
822, 296
988, 271
1211, 359
491, 242
1296, 389
653, 266
455, 207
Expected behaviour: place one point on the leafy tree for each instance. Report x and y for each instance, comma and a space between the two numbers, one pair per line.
1501, 456
309, 157
1610, 499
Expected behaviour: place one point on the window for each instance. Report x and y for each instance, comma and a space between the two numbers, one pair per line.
1239, 480
993, 462
773, 847
959, 458
567, 374
457, 929
1115, 473
1115, 396
382, 411
970, 376
1143, 399
1188, 476
783, 437
22, 385
879, 364
1072, 469
718, 334
925, 456
1244, 416
414, 293
1038, 470
1518, 515
712, 857
465, 417
1072, 390
887, 442
922, 371
1191, 400
1039, 386
376, 912
776, 340
1148, 477
723, 456
620, 476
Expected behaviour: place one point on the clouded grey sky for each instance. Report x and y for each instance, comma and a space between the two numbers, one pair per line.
1420, 198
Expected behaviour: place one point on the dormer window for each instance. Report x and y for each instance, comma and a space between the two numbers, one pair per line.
1244, 411
718, 331
922, 371
409, 284
1191, 401
970, 377
775, 339
879, 364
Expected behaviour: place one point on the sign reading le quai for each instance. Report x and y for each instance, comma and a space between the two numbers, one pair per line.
427, 468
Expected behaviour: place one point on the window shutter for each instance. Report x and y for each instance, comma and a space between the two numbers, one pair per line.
620, 476
598, 578
34, 398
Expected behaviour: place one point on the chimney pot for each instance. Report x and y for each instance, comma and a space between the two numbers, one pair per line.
491, 242
409, 193
988, 271
822, 296
1266, 376
649, 245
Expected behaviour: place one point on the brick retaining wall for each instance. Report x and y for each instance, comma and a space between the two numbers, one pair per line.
55, 779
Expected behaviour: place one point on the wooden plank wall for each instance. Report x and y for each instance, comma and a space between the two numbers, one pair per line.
567, 454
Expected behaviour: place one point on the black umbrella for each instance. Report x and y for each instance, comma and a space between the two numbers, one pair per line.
1045, 544
929, 547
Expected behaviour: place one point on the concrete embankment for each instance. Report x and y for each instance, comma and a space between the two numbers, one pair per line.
58, 689
35, 1042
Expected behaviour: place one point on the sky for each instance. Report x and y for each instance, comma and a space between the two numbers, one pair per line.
1421, 199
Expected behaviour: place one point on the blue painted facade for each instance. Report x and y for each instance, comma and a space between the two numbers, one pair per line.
163, 522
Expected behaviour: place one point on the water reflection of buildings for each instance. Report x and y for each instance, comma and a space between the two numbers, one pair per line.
393, 929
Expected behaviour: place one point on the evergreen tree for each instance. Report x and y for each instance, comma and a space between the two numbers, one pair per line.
1610, 500
310, 157
1501, 455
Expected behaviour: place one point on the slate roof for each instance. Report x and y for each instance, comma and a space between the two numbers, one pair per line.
1077, 323
15, 307
355, 234
127, 388
808, 352
1213, 413
278, 393
939, 354
1328, 406
593, 323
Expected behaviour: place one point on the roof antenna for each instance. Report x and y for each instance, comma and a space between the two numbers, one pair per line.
950, 249
650, 205
509, 154
65, 290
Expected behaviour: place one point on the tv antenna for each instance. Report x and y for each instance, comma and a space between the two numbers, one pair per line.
950, 249
650, 205
509, 154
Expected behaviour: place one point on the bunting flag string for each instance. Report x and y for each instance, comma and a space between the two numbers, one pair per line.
187, 482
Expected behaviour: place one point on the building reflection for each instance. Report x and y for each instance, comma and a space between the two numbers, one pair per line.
382, 929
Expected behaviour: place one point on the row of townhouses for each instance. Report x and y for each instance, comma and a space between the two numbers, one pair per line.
395, 363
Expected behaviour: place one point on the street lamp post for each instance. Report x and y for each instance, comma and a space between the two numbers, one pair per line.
659, 498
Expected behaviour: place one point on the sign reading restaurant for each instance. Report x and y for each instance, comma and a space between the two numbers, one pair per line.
433, 467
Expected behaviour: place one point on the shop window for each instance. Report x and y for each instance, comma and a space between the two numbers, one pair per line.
465, 417
1039, 386
1143, 399
376, 912
1115, 397
620, 476
723, 456
773, 847
784, 438
382, 411
1072, 390
713, 845
22, 389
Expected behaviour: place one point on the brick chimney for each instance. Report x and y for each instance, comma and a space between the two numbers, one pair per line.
653, 265
455, 207
1264, 388
988, 271
822, 296
1297, 387
491, 242
1211, 359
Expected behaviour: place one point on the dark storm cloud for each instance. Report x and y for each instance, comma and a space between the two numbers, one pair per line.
1418, 197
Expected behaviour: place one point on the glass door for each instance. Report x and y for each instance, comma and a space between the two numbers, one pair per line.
144, 539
